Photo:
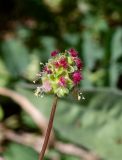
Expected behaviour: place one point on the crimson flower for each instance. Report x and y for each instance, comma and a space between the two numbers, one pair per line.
63, 62
62, 81
46, 69
56, 64
76, 77
54, 53
73, 52
78, 62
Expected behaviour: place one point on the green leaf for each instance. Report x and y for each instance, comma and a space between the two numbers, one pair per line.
4, 74
92, 50
116, 50
49, 44
116, 47
18, 152
1, 113
96, 126
15, 56
71, 39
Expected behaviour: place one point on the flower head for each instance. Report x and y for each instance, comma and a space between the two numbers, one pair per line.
61, 74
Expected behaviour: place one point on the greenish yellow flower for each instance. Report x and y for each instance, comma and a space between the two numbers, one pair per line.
61, 73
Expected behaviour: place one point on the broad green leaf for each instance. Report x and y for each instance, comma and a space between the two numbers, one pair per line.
116, 47
34, 66
48, 45
92, 50
18, 152
116, 50
15, 56
96, 126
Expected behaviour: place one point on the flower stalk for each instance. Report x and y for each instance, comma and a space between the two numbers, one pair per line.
49, 128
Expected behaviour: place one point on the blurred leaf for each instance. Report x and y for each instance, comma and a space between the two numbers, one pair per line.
33, 67
116, 50
68, 157
27, 120
71, 39
116, 47
15, 56
52, 154
53, 4
12, 122
96, 126
96, 23
91, 49
49, 44
1, 113
4, 75
18, 152
22, 32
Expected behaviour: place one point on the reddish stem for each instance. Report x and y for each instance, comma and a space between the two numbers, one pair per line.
50, 124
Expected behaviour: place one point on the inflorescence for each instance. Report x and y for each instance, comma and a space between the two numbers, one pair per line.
61, 74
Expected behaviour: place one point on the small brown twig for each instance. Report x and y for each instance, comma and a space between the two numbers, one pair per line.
50, 124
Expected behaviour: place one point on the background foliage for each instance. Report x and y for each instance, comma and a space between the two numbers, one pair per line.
29, 31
